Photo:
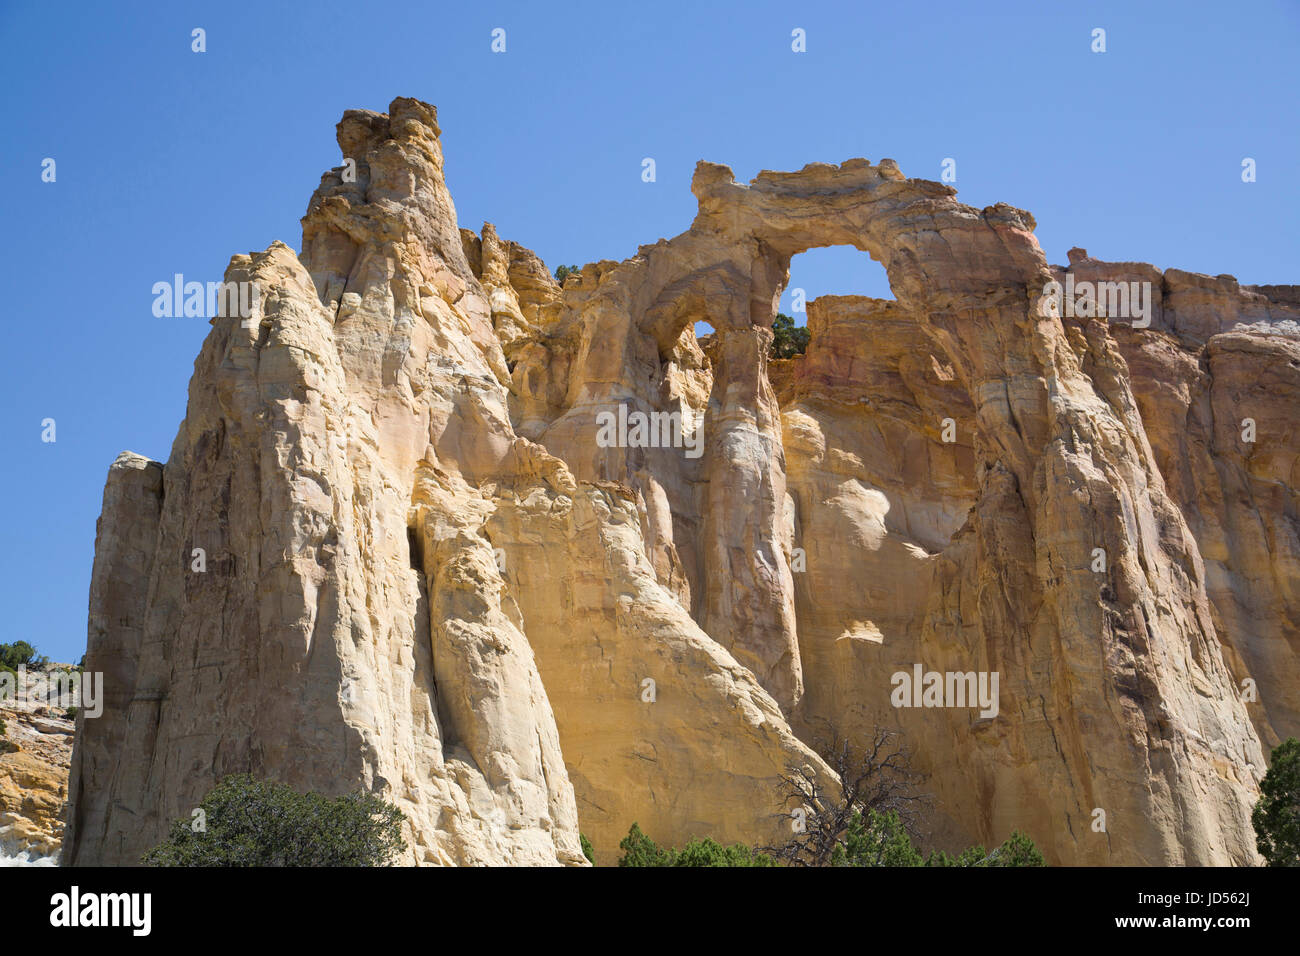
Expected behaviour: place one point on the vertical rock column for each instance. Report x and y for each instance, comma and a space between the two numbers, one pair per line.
125, 538
749, 591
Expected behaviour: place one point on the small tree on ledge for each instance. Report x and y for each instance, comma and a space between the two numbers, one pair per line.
788, 339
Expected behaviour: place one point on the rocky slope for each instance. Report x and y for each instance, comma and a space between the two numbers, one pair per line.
35, 756
427, 572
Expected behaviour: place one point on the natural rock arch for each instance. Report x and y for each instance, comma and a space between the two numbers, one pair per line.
406, 375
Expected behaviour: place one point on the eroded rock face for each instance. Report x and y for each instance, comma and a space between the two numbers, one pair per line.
431, 574
35, 750
1217, 379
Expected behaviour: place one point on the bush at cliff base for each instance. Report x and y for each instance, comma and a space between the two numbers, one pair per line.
876, 839
1277, 815
247, 822
639, 850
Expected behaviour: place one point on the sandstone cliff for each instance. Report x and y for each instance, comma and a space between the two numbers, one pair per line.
427, 575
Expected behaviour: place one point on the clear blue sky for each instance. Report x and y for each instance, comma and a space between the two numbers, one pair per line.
171, 161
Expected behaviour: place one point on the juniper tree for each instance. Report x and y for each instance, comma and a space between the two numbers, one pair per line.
876, 778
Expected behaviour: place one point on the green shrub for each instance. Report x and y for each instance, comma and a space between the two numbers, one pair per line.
639, 850
708, 852
788, 339
19, 654
247, 822
587, 850
562, 272
880, 839
1277, 815
1018, 850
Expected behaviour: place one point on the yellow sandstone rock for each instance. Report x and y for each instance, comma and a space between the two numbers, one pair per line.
429, 575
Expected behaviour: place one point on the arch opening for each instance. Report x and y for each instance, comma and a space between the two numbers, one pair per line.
831, 270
